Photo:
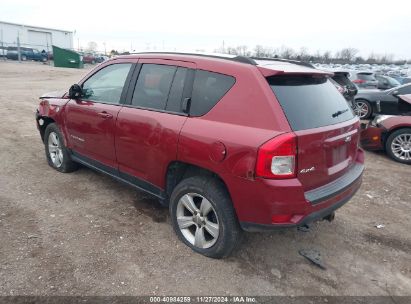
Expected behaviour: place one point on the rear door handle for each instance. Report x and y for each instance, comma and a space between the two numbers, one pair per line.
104, 114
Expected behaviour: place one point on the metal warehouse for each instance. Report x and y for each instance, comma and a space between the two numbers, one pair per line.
40, 38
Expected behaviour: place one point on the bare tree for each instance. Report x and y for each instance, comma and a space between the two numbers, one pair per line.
347, 54
92, 46
303, 54
326, 56
286, 52
259, 51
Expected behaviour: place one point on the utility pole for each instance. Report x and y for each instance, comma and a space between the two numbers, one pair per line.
18, 47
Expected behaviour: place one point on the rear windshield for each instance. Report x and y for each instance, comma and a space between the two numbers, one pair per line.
366, 76
309, 101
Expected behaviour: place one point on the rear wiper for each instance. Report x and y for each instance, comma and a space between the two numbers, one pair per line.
338, 113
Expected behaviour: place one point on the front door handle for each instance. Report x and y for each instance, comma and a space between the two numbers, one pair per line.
104, 114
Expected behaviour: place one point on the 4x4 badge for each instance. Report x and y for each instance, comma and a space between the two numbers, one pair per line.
307, 170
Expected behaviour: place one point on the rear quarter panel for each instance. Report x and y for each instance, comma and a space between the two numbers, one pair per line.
245, 118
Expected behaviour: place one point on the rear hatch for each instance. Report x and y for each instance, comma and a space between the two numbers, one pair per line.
326, 128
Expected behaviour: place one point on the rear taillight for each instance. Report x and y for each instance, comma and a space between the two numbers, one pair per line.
277, 157
358, 81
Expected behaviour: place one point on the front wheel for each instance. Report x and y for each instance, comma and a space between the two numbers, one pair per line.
57, 154
362, 109
203, 217
398, 145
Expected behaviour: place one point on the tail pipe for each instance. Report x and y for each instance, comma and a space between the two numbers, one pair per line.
329, 217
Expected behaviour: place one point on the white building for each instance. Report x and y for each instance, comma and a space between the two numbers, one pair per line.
40, 38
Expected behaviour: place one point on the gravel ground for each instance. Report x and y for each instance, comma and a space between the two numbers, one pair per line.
86, 234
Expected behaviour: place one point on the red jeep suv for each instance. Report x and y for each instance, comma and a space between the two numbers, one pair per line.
228, 143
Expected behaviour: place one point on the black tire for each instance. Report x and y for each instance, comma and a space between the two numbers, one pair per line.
389, 145
367, 104
230, 233
67, 165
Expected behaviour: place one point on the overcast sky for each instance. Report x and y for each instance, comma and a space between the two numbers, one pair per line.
370, 26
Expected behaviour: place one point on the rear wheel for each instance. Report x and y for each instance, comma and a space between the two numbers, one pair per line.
363, 109
23, 58
203, 217
57, 154
398, 145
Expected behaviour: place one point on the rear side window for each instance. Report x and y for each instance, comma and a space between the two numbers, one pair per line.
176, 92
153, 86
366, 76
208, 89
310, 102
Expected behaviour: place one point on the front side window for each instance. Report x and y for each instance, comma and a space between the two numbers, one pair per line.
153, 86
107, 84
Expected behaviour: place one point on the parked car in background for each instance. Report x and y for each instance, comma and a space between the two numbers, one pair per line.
363, 79
224, 141
3, 52
380, 102
89, 58
389, 133
406, 80
345, 86
101, 58
386, 82
26, 54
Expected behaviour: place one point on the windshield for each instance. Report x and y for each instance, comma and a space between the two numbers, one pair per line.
399, 87
393, 81
310, 101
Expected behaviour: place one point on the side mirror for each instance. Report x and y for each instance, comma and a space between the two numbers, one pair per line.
75, 92
395, 93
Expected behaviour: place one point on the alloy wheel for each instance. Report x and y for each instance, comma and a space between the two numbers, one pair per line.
361, 109
55, 149
401, 146
197, 220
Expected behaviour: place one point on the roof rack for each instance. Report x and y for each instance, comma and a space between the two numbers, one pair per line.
238, 58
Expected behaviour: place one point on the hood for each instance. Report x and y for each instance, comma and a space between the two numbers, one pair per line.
54, 94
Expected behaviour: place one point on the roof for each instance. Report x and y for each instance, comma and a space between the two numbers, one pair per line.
268, 66
37, 27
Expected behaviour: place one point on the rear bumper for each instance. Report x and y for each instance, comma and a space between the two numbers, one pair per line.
259, 204
372, 138
311, 217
